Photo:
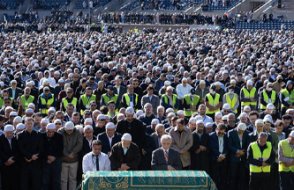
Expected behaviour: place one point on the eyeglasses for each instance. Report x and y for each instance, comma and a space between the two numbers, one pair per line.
57, 123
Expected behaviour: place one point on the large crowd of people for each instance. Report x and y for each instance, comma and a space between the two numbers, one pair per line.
218, 101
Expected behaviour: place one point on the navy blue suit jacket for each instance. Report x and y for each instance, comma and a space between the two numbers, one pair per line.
106, 147
214, 146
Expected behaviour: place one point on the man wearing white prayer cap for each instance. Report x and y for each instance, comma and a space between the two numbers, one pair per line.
125, 155
109, 137
53, 151
248, 95
9, 155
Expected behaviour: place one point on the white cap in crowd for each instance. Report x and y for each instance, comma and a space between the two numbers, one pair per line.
69, 125
8, 128
242, 126
51, 126
110, 125
126, 137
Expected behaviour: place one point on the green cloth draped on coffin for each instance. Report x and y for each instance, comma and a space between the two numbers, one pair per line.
139, 180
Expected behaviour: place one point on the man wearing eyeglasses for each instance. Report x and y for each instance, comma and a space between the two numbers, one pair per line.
96, 160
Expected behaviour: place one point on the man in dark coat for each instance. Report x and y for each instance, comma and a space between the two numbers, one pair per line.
9, 157
125, 155
30, 145
109, 138
218, 156
237, 145
132, 126
53, 150
166, 158
199, 151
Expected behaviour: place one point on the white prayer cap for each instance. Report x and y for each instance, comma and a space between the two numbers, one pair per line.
225, 117
139, 113
88, 120
171, 114
126, 137
270, 106
29, 111
199, 121
226, 106
20, 126
242, 126
69, 125
101, 117
51, 109
31, 105
154, 122
249, 83
167, 83
13, 114
88, 127
180, 112
8, 128
130, 110
218, 115
258, 121
110, 125
45, 120
51, 126
17, 119
209, 124
192, 120
168, 110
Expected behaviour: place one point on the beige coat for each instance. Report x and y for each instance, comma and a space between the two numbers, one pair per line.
182, 143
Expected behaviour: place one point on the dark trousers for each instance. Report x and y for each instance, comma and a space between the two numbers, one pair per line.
31, 176
275, 181
10, 177
259, 181
287, 180
219, 174
238, 176
52, 175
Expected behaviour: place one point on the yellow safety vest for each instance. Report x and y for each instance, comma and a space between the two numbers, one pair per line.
128, 99
286, 94
232, 102
86, 101
212, 102
74, 101
288, 152
106, 98
248, 94
257, 155
26, 101
266, 99
166, 99
1, 102
47, 103
192, 101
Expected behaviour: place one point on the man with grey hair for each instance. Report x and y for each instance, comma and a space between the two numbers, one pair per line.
166, 158
260, 156
159, 131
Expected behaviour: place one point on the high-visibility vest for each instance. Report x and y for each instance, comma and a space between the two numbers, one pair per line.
65, 102
47, 104
213, 102
86, 101
232, 102
128, 99
191, 101
286, 94
267, 100
1, 102
288, 152
106, 98
166, 100
248, 94
257, 155
26, 101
